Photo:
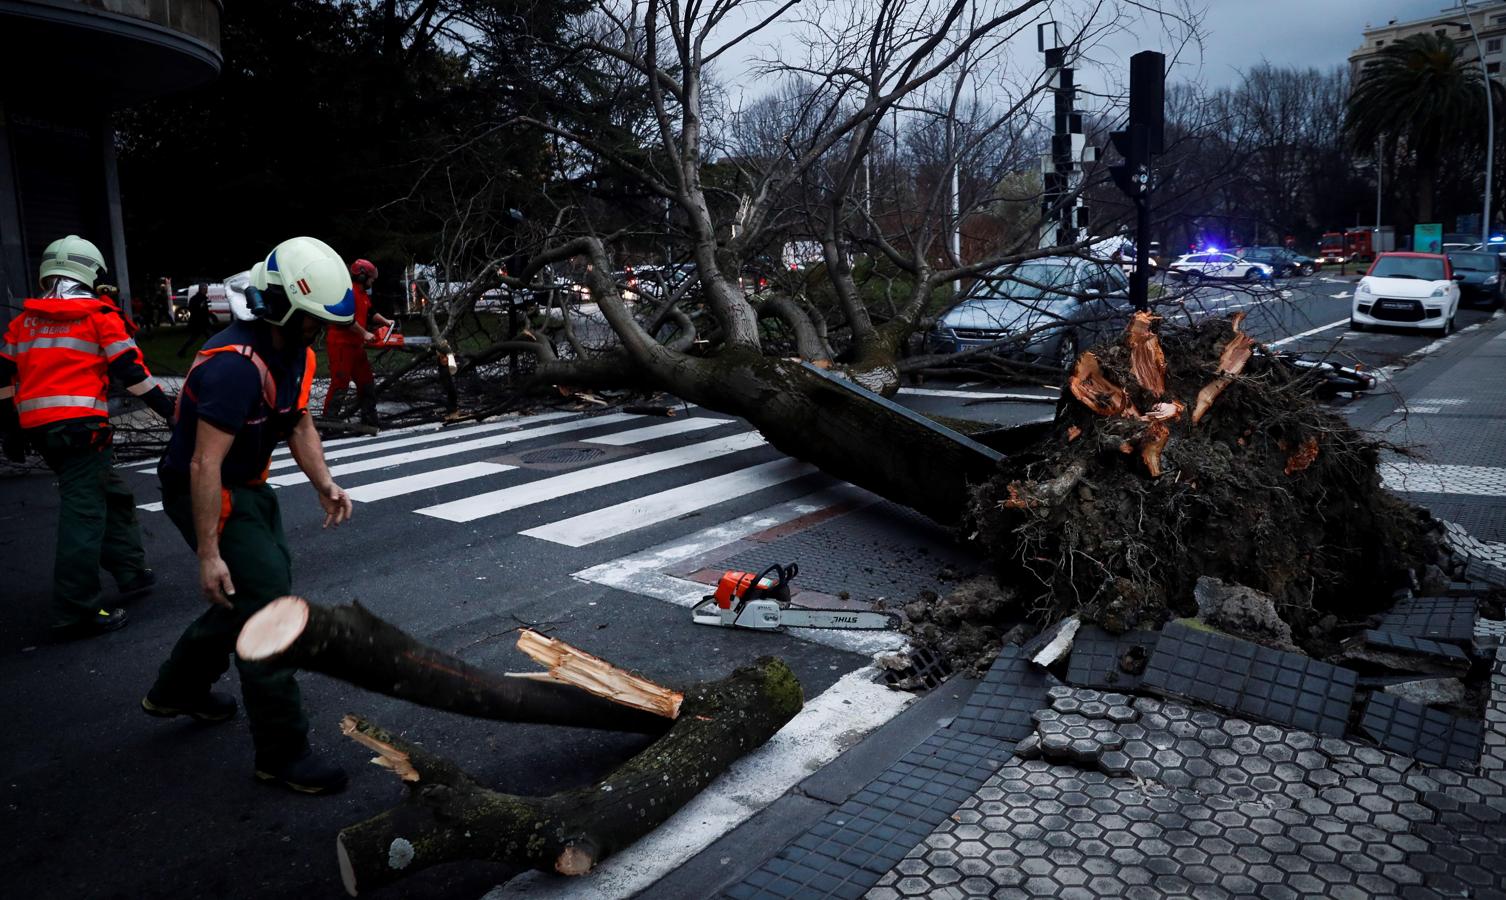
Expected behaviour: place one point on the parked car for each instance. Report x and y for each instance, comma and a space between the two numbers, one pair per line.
1283, 262
1481, 281
1195, 266
1075, 302
1416, 290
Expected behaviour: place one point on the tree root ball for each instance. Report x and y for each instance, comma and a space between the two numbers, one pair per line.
1269, 490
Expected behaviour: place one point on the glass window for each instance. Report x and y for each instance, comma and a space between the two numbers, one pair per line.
1492, 68
1424, 268
1474, 262
1493, 45
1380, 43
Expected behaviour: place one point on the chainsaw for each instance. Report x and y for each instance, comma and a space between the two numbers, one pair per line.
388, 337
762, 602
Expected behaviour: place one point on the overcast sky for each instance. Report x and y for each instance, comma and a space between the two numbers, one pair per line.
1320, 33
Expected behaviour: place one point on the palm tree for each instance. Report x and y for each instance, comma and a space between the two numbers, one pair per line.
1418, 94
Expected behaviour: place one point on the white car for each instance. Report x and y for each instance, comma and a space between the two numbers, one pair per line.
1195, 266
219, 297
1410, 290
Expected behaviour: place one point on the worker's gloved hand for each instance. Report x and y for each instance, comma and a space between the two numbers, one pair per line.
15, 446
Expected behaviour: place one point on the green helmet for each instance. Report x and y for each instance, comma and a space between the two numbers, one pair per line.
72, 257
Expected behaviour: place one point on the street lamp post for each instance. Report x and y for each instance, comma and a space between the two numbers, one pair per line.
1490, 121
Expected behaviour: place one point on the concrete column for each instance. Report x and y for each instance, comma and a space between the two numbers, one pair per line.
15, 280
121, 272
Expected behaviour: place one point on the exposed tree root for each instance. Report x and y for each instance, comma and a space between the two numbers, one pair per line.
1259, 485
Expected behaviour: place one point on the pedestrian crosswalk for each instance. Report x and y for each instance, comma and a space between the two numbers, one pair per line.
476, 473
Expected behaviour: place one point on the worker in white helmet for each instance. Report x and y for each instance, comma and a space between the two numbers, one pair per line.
247, 391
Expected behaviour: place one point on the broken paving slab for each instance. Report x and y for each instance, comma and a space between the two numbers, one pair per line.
1250, 680
1099, 658
1430, 736
1001, 704
1448, 619
1404, 653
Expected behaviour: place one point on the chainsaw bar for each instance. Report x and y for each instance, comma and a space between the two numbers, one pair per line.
848, 619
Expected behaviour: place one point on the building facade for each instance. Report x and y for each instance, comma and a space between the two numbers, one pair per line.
65, 67
1486, 18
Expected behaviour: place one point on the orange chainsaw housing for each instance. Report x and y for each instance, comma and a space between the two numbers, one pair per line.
734, 584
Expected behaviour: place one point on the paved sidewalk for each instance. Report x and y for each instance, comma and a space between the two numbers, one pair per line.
1305, 783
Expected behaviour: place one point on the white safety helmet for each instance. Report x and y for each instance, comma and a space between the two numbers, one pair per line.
72, 257
312, 276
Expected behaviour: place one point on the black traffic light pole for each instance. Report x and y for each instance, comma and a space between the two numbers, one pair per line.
1142, 139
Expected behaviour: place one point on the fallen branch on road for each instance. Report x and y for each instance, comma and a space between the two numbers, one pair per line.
446, 815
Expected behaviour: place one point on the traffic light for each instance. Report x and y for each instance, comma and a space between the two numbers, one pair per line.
1145, 134
1132, 176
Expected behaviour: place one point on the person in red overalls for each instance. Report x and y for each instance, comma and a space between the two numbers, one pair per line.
56, 361
347, 349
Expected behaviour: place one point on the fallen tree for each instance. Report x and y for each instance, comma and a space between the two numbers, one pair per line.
446, 815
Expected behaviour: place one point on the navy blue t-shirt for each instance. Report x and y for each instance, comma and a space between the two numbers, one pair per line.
226, 391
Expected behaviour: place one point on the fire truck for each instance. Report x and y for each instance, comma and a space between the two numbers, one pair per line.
1357, 245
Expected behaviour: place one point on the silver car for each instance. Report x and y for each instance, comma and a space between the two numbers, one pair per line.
1054, 306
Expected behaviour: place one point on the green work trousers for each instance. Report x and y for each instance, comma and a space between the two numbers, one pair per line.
261, 568
97, 525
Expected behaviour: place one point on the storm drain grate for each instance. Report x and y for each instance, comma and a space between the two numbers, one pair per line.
562, 455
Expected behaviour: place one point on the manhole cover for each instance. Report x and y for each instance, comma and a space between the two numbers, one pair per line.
562, 455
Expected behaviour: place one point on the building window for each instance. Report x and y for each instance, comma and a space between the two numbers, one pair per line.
1493, 45
1442, 32
1380, 43
1499, 20
1493, 68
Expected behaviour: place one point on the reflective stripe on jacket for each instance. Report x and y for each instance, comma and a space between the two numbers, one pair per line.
62, 349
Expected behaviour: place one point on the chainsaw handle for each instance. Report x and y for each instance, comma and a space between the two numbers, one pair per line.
785, 573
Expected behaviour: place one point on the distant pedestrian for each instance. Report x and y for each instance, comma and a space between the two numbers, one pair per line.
57, 359
200, 325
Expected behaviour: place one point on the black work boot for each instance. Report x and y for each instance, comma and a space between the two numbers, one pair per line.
139, 586
308, 774
366, 398
334, 405
213, 706
104, 620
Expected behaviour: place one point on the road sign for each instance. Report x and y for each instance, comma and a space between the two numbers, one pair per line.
1427, 238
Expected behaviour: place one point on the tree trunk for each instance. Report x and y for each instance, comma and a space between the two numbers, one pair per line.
846, 435
447, 816
351, 644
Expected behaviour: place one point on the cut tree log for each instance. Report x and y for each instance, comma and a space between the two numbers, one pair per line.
446, 816
349, 643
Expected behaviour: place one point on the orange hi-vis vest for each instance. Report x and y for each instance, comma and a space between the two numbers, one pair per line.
62, 349
268, 384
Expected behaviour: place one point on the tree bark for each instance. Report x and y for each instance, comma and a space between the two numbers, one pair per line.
349, 643
447, 816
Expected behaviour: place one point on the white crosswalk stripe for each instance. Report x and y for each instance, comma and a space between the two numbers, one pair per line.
630, 515
435, 437
481, 443
495, 486
469, 509
408, 484
652, 432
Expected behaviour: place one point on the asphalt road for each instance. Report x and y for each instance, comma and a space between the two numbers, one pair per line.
101, 800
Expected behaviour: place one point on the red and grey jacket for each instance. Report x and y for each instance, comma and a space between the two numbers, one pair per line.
58, 357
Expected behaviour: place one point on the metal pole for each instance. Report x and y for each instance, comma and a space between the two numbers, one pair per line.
1380, 145
1490, 123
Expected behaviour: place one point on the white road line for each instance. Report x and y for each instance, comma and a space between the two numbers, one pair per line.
469, 509
600, 524
481, 443
1480, 481
644, 572
1387, 372
281, 452
972, 395
435, 437
1341, 295
408, 484
649, 433
852, 707
1308, 333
